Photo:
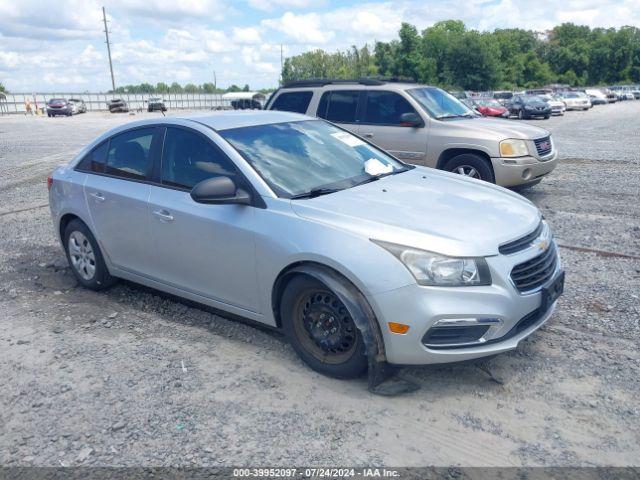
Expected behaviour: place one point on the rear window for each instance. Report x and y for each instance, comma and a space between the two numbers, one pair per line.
297, 102
339, 106
95, 160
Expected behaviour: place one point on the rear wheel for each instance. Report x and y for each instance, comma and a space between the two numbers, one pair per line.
470, 165
321, 330
85, 257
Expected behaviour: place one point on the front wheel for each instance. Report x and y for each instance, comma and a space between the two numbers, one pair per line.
520, 115
85, 257
471, 165
321, 330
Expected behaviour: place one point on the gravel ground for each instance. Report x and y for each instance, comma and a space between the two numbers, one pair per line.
132, 377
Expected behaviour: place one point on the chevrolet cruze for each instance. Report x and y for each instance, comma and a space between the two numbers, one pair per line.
291, 221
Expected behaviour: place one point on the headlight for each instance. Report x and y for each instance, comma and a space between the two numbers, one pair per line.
433, 269
513, 148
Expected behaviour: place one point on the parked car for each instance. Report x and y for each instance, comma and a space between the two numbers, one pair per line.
117, 105
503, 96
77, 105
628, 95
246, 104
489, 107
636, 94
528, 106
427, 126
611, 96
576, 100
298, 224
596, 96
156, 103
59, 106
558, 107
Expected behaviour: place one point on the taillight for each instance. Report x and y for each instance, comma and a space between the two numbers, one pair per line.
49, 182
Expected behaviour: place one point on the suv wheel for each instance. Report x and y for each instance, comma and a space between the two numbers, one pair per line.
321, 330
520, 115
85, 257
471, 165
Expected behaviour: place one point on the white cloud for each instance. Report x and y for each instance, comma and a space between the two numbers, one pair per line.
269, 5
305, 28
246, 36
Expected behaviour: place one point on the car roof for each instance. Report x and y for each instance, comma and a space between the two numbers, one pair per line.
397, 86
225, 120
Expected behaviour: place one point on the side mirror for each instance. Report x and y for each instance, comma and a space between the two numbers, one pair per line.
220, 191
411, 119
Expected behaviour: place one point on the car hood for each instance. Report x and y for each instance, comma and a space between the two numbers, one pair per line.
427, 209
498, 129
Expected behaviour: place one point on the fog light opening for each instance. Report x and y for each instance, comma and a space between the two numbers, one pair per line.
526, 174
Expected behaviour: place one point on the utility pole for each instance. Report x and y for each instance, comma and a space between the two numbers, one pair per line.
106, 32
281, 64
215, 82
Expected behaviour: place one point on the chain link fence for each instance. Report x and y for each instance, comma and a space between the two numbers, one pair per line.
15, 103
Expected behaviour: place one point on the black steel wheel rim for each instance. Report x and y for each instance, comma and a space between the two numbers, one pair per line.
324, 327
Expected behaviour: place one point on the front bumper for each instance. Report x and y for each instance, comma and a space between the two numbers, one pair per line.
518, 315
511, 172
60, 111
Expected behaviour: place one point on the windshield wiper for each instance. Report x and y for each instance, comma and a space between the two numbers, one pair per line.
315, 192
443, 117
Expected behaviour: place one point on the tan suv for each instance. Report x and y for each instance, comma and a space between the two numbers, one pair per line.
426, 126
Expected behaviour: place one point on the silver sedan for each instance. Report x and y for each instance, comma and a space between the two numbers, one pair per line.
360, 259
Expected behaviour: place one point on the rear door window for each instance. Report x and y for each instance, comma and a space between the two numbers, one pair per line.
94, 161
340, 106
292, 102
385, 108
129, 154
189, 158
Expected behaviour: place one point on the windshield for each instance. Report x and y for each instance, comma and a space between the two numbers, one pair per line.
532, 99
296, 158
489, 102
439, 104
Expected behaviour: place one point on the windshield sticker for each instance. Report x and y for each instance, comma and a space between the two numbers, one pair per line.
347, 139
375, 167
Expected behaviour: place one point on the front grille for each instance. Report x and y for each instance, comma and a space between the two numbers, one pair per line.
521, 243
534, 273
543, 146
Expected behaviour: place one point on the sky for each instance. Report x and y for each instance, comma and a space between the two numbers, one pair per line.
48, 45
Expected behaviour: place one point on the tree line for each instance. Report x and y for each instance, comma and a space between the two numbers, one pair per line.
450, 55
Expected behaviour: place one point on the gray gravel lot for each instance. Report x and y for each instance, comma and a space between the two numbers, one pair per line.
131, 377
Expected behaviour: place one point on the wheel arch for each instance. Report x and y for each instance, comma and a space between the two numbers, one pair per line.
350, 295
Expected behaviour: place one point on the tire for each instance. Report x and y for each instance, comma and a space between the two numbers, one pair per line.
340, 353
49, 115
467, 161
546, 117
520, 115
85, 258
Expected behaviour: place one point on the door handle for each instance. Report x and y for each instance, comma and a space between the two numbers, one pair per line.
163, 215
367, 135
98, 197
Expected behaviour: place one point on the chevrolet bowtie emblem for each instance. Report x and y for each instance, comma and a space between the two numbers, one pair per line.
542, 245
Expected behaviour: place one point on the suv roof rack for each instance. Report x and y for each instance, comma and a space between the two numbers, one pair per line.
321, 82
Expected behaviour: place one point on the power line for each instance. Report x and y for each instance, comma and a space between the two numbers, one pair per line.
106, 32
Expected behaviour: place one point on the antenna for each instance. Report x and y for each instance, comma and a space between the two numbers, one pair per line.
106, 32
